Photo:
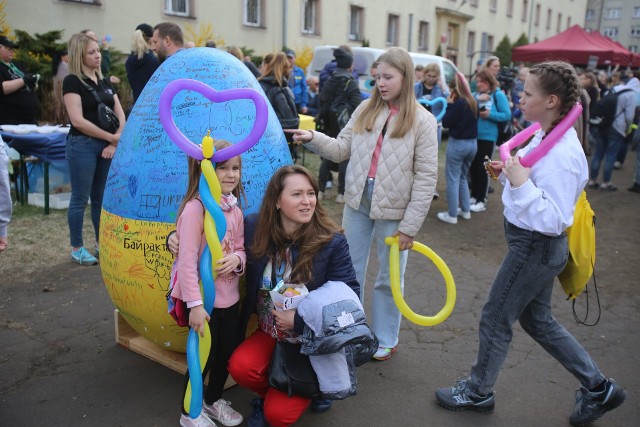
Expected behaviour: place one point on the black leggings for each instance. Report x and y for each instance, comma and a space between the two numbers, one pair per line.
477, 172
225, 337
324, 174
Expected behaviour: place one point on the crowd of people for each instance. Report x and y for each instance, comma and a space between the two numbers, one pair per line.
385, 149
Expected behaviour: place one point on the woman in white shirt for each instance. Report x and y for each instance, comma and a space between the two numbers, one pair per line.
538, 206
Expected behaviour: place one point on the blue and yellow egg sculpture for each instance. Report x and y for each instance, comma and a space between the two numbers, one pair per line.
148, 178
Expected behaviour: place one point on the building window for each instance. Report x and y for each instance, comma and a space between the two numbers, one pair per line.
613, 13
611, 32
493, 5
473, 3
509, 7
590, 15
393, 28
636, 12
548, 18
356, 22
253, 13
525, 10
309, 17
176, 7
490, 43
538, 9
471, 44
568, 21
633, 48
558, 27
423, 36
635, 31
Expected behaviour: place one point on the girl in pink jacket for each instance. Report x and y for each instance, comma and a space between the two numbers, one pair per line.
224, 322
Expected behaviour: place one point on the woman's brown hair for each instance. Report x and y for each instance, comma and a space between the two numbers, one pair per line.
491, 80
460, 89
272, 240
560, 79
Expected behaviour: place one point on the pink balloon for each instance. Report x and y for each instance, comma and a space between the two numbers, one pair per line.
193, 150
549, 142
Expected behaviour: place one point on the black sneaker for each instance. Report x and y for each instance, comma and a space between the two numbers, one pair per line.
320, 405
257, 418
590, 406
460, 398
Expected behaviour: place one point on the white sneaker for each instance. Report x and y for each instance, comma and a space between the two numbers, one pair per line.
320, 195
222, 412
329, 185
444, 216
201, 421
478, 207
340, 198
463, 214
473, 201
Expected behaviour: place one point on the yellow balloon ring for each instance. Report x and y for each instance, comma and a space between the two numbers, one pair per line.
394, 273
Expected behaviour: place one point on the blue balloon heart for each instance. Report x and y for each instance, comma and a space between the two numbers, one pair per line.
434, 101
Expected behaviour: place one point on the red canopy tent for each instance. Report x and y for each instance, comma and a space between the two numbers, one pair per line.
573, 45
625, 57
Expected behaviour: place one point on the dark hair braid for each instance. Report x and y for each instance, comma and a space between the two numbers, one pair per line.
560, 79
557, 78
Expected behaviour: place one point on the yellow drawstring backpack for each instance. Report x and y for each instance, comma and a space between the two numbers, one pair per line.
581, 237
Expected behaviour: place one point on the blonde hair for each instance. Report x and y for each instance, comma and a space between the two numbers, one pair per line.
139, 44
77, 49
399, 59
432, 68
235, 51
278, 67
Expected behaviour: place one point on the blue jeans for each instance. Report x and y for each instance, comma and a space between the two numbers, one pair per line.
522, 291
88, 172
608, 144
5, 191
460, 154
361, 231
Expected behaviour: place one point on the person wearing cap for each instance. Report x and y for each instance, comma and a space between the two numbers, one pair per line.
298, 83
330, 67
167, 39
339, 92
18, 100
141, 63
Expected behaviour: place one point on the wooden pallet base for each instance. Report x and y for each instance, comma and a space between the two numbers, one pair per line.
129, 338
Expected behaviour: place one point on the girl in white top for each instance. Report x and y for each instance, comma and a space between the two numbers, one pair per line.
538, 207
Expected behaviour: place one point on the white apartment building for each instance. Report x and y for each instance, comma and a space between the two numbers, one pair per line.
466, 30
617, 19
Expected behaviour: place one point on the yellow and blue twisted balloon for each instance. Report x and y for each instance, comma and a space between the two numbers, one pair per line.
215, 228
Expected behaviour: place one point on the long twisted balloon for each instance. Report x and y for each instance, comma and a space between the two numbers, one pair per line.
215, 224
215, 228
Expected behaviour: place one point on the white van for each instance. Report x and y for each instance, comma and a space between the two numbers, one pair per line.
363, 57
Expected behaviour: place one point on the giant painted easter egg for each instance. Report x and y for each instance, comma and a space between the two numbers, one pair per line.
148, 178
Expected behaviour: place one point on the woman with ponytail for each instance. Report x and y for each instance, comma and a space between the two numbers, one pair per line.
538, 207
461, 119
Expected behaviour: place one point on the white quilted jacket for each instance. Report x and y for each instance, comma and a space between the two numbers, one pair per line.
407, 167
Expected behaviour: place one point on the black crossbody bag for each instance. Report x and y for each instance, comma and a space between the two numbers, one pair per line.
107, 119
